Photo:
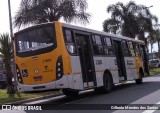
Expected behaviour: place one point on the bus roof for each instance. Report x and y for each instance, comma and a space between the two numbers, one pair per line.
118, 37
102, 33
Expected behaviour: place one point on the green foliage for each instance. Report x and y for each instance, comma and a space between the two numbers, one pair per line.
129, 20
6, 51
41, 11
154, 37
155, 71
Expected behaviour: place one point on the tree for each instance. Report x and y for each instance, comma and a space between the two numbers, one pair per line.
6, 53
158, 41
152, 39
41, 11
145, 23
123, 19
155, 37
129, 20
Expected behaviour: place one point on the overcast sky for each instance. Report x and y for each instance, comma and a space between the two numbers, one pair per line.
97, 8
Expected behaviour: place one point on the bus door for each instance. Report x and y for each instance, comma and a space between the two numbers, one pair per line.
86, 59
120, 60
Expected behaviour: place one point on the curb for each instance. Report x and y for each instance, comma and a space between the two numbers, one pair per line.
34, 99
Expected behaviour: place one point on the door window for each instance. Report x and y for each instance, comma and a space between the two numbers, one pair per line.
70, 42
97, 45
108, 48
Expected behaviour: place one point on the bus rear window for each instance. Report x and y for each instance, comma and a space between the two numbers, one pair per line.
35, 39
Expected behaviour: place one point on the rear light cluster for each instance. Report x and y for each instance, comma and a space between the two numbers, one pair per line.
59, 68
19, 77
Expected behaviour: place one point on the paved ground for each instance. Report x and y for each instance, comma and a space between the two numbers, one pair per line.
146, 93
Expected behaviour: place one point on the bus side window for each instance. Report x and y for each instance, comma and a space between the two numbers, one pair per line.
125, 48
131, 49
97, 45
69, 37
70, 42
108, 48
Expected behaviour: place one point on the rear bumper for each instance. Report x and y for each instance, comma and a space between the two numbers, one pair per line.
59, 84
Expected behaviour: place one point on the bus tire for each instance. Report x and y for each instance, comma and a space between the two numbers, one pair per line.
108, 83
69, 92
140, 80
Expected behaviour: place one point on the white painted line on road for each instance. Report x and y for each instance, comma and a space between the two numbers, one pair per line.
150, 111
73, 101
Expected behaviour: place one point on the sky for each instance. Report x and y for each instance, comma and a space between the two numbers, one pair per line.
97, 9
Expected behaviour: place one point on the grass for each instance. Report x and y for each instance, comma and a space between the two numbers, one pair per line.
6, 98
155, 71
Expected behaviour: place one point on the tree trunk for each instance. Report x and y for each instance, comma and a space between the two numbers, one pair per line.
151, 51
158, 49
10, 86
147, 56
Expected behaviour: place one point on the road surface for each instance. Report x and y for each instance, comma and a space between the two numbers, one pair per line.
128, 94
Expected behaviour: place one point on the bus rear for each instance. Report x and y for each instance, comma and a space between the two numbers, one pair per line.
38, 57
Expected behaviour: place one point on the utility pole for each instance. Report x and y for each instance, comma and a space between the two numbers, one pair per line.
10, 19
11, 35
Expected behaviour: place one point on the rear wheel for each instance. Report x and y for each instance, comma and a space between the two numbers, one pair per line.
140, 80
69, 92
108, 85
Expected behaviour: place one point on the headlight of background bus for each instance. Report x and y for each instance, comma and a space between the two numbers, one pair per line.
71, 48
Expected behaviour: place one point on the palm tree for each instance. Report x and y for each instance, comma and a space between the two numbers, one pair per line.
6, 53
129, 20
41, 11
158, 41
145, 22
152, 39
156, 38
123, 19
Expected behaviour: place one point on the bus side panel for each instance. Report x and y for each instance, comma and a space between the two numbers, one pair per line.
115, 76
130, 68
105, 63
75, 64
77, 73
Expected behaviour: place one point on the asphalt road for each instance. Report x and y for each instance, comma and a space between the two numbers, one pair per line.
130, 93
